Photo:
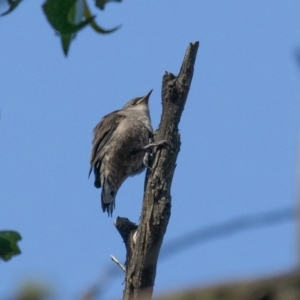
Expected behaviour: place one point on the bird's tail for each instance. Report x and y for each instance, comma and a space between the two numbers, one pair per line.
108, 195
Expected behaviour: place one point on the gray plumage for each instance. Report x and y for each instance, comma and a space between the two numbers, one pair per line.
116, 152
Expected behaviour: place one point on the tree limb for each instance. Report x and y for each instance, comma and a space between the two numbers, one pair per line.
156, 211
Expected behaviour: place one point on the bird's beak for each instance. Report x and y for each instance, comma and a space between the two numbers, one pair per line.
145, 98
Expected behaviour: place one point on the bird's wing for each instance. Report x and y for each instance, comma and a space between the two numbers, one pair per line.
102, 133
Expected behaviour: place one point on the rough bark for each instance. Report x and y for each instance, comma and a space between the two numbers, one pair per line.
141, 258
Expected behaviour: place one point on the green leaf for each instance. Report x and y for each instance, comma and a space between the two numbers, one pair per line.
66, 17
69, 16
58, 13
75, 15
8, 244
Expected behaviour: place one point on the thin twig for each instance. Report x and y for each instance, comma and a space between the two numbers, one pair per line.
118, 263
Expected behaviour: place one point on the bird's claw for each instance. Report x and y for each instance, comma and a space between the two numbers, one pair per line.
149, 147
162, 143
146, 161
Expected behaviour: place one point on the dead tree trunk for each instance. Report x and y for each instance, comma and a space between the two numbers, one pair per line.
143, 243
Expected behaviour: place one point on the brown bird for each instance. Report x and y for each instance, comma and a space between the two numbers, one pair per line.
119, 145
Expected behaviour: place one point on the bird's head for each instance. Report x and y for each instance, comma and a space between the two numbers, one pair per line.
138, 103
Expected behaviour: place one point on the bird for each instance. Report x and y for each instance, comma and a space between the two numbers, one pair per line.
119, 145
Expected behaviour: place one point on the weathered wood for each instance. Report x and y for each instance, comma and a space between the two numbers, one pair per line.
156, 211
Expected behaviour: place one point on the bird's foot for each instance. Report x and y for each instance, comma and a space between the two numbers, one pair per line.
152, 147
146, 161
162, 143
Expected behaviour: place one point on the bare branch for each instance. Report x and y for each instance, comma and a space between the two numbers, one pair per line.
118, 263
142, 254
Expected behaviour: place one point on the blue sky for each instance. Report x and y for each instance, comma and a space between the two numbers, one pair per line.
239, 130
